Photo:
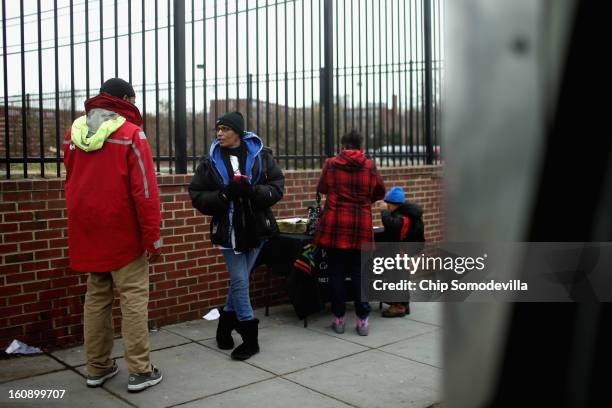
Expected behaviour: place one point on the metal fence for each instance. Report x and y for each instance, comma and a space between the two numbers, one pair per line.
302, 72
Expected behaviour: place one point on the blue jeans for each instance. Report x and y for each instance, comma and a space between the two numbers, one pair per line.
239, 267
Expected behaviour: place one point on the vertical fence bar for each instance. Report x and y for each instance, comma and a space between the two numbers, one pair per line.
295, 108
24, 117
410, 70
226, 23
204, 84
344, 71
312, 71
387, 136
359, 84
215, 59
41, 125
249, 76
380, 87
117, 39
57, 107
398, 138
268, 78
322, 96
101, 42
180, 92
338, 106
129, 16
367, 82
352, 68
157, 138
257, 62
193, 88
7, 139
373, 82
406, 80
237, 32
276, 78
72, 101
144, 68
393, 95
428, 81
86, 50
170, 127
328, 78
439, 91
286, 40
304, 160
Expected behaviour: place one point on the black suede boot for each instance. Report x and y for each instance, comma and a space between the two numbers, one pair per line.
227, 323
248, 330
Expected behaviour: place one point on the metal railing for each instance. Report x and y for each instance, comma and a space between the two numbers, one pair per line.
303, 72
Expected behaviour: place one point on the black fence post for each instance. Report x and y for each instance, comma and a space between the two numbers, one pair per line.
428, 80
180, 94
328, 77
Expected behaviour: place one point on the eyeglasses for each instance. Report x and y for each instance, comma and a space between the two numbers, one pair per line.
222, 128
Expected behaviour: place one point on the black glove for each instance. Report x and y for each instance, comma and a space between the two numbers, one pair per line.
245, 190
227, 194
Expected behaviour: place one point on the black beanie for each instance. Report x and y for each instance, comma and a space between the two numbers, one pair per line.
233, 120
118, 88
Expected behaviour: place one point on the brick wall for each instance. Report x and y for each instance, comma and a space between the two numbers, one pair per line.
41, 299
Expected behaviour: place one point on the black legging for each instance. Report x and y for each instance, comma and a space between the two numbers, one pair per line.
343, 262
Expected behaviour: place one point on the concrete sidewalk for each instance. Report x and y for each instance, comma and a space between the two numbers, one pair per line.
397, 365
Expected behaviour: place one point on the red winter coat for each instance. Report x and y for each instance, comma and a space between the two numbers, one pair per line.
351, 183
111, 194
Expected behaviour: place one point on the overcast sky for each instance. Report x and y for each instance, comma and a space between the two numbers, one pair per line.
400, 43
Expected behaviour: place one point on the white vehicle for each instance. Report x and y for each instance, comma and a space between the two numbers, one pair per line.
418, 153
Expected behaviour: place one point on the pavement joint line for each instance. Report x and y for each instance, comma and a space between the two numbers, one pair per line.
74, 370
409, 338
410, 359
328, 333
242, 361
219, 393
185, 337
320, 392
420, 321
325, 362
33, 376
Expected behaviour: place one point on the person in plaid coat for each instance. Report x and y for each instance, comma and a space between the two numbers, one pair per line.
351, 184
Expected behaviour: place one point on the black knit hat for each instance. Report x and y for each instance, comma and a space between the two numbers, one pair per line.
118, 88
233, 120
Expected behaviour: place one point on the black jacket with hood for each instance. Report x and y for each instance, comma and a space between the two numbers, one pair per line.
394, 223
251, 219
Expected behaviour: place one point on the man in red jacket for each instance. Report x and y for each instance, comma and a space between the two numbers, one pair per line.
351, 184
113, 228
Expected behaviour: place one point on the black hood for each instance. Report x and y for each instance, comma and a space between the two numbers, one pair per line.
410, 209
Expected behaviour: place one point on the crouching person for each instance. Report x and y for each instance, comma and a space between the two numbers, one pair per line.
403, 221
236, 184
113, 229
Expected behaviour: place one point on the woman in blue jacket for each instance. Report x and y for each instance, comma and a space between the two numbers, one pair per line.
236, 184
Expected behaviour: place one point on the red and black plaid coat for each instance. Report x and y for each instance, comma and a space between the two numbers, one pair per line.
351, 183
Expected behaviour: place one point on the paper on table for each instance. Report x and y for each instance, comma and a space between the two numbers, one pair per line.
212, 315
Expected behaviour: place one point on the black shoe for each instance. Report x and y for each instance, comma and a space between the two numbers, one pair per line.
227, 323
249, 347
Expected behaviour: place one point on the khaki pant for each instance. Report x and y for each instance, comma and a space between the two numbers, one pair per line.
132, 283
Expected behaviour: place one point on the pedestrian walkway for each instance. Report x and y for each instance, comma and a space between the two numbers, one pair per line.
398, 365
